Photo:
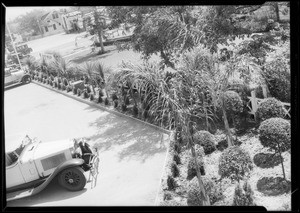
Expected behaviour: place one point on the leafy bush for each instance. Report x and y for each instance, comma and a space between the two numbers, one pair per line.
100, 100
194, 197
176, 158
135, 111
115, 103
205, 139
167, 195
273, 186
124, 107
75, 91
69, 88
277, 75
269, 108
114, 96
199, 151
92, 97
276, 134
106, 102
79, 91
88, 89
171, 183
234, 163
243, 196
233, 102
63, 87
191, 171
174, 169
267, 160
177, 148
85, 94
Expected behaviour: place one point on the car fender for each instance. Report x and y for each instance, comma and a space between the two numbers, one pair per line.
68, 164
26, 75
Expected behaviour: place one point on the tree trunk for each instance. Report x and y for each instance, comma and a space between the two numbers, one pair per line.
229, 136
281, 159
277, 12
206, 201
100, 40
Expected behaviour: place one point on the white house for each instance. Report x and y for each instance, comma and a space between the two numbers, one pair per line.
51, 23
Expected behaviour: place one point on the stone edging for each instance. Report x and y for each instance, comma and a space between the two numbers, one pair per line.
86, 101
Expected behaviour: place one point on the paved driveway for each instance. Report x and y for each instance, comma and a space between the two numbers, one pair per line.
131, 154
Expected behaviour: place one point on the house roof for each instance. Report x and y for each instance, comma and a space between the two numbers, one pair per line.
44, 16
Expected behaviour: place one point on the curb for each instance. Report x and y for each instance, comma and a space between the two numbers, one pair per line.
103, 108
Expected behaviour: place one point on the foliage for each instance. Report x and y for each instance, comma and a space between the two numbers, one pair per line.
176, 158
276, 134
273, 186
170, 203
91, 97
174, 170
277, 75
234, 163
205, 139
194, 196
171, 183
106, 101
191, 170
233, 102
243, 196
269, 108
75, 91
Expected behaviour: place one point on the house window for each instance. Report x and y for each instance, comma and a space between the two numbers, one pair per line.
54, 27
56, 15
46, 29
53, 16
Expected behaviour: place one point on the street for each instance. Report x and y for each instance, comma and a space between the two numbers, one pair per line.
131, 155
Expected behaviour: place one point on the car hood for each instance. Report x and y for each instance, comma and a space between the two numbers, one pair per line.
45, 149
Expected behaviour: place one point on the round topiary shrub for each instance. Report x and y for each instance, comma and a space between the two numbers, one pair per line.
69, 88
277, 75
269, 108
100, 100
267, 160
115, 103
174, 169
205, 139
194, 197
171, 183
234, 163
199, 151
106, 102
85, 94
135, 111
191, 171
276, 134
243, 196
75, 91
233, 102
273, 186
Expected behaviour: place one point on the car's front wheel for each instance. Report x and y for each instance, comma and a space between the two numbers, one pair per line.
72, 179
26, 80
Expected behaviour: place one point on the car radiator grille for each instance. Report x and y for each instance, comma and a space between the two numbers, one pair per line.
53, 161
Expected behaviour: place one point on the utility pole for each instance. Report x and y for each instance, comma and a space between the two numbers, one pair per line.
13, 44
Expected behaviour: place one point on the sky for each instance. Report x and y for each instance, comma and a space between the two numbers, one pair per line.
13, 12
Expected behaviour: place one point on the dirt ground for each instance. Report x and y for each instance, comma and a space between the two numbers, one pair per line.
131, 155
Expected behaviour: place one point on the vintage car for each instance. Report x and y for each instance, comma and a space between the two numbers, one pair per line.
33, 165
15, 76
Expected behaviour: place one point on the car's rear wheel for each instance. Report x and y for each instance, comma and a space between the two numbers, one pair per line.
26, 80
72, 179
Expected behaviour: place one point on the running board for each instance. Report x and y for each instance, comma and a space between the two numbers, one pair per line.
19, 194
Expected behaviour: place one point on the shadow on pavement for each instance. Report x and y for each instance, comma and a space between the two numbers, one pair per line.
132, 138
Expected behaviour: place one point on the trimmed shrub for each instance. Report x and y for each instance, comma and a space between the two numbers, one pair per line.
79, 91
276, 134
191, 171
116, 103
171, 183
124, 107
69, 88
106, 102
135, 111
88, 89
91, 97
127, 102
63, 87
277, 75
273, 186
233, 102
176, 158
100, 100
75, 91
234, 163
167, 195
85, 94
267, 160
243, 196
177, 148
55, 84
174, 170
205, 139
269, 108
114, 96
194, 197
65, 82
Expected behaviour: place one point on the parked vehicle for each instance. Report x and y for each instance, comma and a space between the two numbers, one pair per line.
16, 75
33, 165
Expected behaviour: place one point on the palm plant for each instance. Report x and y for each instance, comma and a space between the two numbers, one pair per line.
62, 68
31, 63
